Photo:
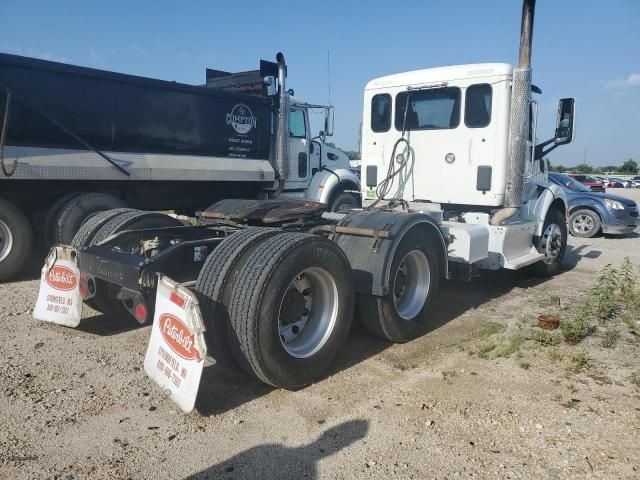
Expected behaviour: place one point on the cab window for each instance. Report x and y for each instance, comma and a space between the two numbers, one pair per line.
477, 105
381, 113
297, 124
431, 109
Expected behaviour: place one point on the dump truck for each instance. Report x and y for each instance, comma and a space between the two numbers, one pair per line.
455, 184
76, 141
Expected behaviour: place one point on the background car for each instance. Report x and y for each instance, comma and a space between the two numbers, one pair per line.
591, 212
594, 184
619, 182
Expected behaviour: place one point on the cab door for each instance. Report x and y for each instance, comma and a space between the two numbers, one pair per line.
299, 167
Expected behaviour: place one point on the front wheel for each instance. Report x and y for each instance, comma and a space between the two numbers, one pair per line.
584, 223
344, 201
552, 243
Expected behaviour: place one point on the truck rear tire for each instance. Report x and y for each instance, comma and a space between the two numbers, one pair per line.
106, 299
553, 243
16, 239
403, 314
84, 236
51, 218
214, 292
291, 308
344, 200
78, 209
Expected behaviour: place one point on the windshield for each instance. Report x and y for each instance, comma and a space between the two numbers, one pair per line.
567, 182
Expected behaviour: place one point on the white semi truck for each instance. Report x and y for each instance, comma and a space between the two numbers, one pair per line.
77, 141
455, 184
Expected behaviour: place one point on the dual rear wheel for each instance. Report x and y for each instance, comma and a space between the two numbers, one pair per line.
280, 305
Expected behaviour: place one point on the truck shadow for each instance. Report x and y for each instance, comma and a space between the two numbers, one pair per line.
274, 460
222, 390
105, 326
575, 254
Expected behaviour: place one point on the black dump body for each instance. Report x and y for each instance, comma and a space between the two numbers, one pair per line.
125, 113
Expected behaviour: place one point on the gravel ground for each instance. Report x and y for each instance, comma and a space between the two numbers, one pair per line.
77, 405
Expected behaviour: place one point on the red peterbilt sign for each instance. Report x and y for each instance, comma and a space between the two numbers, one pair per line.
61, 278
177, 336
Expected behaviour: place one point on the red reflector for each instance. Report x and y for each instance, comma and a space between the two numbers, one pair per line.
84, 290
177, 299
140, 312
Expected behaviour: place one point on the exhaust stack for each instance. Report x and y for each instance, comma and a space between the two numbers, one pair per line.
519, 122
282, 133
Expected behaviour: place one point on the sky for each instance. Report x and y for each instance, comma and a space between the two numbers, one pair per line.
586, 49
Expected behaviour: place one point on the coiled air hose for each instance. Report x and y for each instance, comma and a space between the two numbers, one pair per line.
384, 187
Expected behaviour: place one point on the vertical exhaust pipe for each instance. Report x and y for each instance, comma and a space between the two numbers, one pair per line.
519, 122
282, 132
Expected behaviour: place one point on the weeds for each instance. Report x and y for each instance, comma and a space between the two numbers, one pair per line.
512, 347
604, 293
545, 338
485, 350
447, 374
574, 331
492, 329
524, 365
628, 294
555, 355
580, 362
634, 328
610, 337
635, 379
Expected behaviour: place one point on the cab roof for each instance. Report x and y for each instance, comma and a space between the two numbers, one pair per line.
441, 74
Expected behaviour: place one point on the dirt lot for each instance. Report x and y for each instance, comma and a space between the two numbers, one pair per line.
485, 394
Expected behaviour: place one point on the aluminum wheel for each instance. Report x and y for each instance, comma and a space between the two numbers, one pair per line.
582, 224
6, 240
411, 284
308, 312
551, 243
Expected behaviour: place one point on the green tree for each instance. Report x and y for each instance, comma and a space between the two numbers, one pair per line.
584, 168
353, 155
557, 168
630, 166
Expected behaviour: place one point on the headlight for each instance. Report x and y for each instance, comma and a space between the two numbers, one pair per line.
613, 204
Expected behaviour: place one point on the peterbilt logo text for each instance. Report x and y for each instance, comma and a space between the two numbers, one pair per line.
241, 119
61, 278
178, 337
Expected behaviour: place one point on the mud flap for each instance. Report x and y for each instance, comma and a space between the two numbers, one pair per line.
176, 352
59, 300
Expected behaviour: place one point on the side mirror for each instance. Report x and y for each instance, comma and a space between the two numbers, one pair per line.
565, 123
328, 121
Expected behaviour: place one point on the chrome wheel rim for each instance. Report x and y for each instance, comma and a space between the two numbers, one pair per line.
6, 240
583, 223
308, 312
551, 243
411, 284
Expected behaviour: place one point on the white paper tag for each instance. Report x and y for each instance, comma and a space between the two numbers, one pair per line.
176, 351
59, 300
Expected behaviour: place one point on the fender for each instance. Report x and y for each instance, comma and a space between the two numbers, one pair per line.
371, 258
325, 182
578, 203
536, 209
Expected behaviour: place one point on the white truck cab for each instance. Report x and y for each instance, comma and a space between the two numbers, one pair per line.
318, 171
459, 141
